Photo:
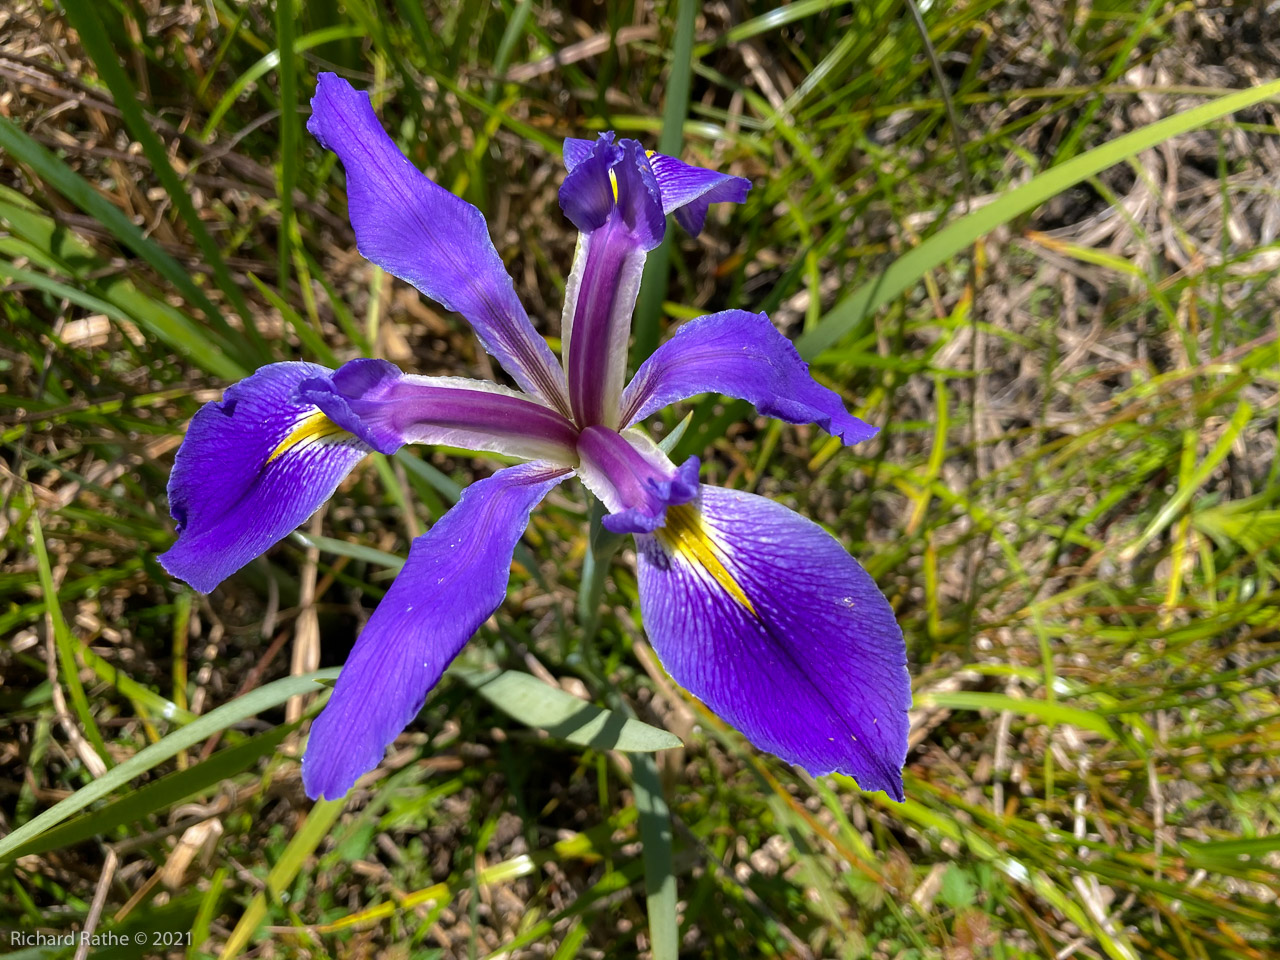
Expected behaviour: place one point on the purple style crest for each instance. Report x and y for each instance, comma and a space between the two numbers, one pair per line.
753, 609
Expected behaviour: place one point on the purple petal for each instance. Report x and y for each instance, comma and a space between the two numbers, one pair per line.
687, 191
456, 576
740, 355
615, 180
575, 150
599, 300
586, 196
633, 478
386, 409
611, 197
764, 617
418, 231
252, 468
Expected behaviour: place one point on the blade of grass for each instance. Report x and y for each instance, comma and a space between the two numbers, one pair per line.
76, 189
215, 721
207, 913
589, 845
510, 35
160, 794
83, 15
313, 830
505, 117
538, 704
854, 311
653, 285
775, 18
268, 63
60, 250
444, 485
355, 551
144, 697
1236, 848
1045, 710
286, 171
58, 289
1119, 63
1178, 502
659, 866
66, 644
315, 347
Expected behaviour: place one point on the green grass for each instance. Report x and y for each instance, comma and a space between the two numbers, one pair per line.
1067, 332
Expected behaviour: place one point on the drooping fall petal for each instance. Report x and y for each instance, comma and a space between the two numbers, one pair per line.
455, 577
258, 463
253, 466
763, 616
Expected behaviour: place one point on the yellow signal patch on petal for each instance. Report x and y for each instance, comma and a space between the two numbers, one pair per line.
314, 427
613, 184
684, 535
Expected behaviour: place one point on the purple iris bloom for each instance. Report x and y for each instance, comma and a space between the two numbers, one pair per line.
755, 610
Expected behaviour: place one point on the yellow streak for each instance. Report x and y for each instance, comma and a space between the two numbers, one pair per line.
684, 535
315, 426
613, 184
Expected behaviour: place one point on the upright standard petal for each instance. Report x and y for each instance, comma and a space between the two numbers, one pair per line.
456, 576
253, 466
576, 150
418, 231
633, 478
741, 355
687, 191
611, 196
764, 617
386, 409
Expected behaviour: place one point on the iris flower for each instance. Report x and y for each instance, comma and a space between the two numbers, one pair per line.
755, 610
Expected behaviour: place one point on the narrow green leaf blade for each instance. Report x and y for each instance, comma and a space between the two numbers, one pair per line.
1234, 849
172, 326
1046, 710
536, 704
851, 312
304, 843
355, 551
160, 794
66, 643
95, 39
653, 285
287, 172
251, 704
668, 443
658, 857
1178, 502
